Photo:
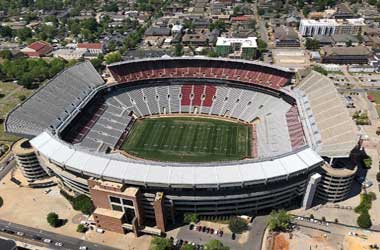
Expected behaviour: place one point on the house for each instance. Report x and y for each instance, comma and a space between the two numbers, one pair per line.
157, 31
93, 49
197, 39
37, 49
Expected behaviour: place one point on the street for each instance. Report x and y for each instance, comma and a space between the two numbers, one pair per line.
37, 235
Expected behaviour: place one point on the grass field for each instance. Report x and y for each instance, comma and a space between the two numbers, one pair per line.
10, 94
187, 139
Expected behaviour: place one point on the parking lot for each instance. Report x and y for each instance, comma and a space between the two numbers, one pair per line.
204, 231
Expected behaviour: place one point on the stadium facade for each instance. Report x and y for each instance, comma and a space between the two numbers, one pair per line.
76, 124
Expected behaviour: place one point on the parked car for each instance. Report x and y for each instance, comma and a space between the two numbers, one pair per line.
47, 240
20, 233
82, 248
233, 236
191, 227
58, 244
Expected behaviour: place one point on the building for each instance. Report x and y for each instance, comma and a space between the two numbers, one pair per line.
244, 48
286, 37
92, 49
196, 39
27, 161
146, 196
329, 27
345, 55
157, 31
37, 49
345, 40
70, 54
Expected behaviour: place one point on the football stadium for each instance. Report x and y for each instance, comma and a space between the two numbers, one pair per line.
169, 136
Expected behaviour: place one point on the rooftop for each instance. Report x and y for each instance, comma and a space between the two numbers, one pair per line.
249, 42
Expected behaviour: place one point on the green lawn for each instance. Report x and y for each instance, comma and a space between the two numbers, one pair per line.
9, 98
188, 139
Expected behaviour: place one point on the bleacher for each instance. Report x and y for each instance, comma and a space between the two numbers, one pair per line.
55, 101
271, 134
249, 73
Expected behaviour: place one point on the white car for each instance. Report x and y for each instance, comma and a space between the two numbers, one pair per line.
20, 233
47, 240
58, 244
82, 248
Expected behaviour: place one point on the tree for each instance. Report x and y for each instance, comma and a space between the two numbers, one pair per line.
159, 243
6, 54
53, 219
311, 44
24, 34
349, 43
306, 11
372, 2
378, 176
261, 45
113, 57
83, 203
320, 70
178, 50
1, 201
97, 63
364, 220
81, 228
190, 218
279, 220
237, 225
215, 245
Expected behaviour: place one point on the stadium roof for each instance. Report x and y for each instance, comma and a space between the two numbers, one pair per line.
331, 129
53, 103
173, 174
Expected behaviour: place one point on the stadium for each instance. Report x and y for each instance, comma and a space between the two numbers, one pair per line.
169, 136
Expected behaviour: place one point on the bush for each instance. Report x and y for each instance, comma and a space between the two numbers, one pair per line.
237, 225
190, 218
53, 219
336, 220
159, 243
365, 203
279, 220
81, 228
83, 203
367, 162
364, 220
188, 247
215, 245
323, 218
21, 97
1, 201
311, 216
378, 176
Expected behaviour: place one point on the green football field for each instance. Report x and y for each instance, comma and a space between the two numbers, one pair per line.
187, 139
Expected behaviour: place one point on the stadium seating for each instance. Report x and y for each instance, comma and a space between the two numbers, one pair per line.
277, 131
55, 101
184, 68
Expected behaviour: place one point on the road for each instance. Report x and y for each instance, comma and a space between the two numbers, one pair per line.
69, 243
257, 231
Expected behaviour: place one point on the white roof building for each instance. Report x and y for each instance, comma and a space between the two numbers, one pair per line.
249, 42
